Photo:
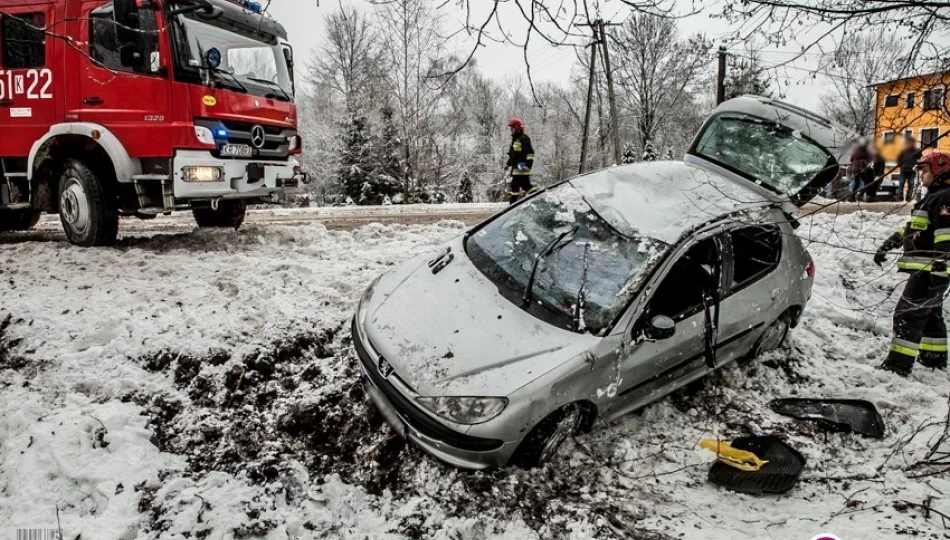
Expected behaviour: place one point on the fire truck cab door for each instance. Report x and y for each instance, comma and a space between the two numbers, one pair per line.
124, 82
29, 92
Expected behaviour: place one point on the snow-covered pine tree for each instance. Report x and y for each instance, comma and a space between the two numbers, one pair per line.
670, 154
649, 152
388, 164
356, 159
629, 154
465, 194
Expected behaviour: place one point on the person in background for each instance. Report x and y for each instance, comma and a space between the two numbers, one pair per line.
920, 333
857, 170
520, 161
907, 162
875, 175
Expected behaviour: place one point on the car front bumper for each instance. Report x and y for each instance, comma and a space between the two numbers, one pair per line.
393, 398
278, 177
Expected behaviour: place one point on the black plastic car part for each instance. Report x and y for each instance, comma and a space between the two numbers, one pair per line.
837, 415
779, 475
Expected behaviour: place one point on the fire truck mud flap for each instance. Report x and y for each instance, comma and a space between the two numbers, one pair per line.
196, 177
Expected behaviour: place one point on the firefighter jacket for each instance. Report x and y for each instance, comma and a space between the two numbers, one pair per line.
520, 155
926, 237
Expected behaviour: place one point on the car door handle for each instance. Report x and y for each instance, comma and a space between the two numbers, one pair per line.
93, 101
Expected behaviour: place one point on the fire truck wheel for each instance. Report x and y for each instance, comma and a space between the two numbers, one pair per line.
85, 211
230, 214
18, 220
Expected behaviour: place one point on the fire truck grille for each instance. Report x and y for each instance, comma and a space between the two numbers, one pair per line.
276, 139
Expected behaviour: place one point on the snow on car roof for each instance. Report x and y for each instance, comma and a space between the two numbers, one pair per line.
663, 200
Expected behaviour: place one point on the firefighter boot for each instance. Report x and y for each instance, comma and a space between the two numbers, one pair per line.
901, 358
933, 353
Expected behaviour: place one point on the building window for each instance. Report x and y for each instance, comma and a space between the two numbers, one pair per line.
23, 40
889, 137
928, 137
911, 98
909, 135
120, 49
933, 99
892, 100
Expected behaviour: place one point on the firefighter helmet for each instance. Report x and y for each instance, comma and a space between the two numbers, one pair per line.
515, 123
939, 163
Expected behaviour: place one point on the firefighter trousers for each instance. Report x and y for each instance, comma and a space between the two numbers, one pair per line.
920, 333
519, 183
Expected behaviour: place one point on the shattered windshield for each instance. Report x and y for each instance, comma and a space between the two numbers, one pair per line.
248, 64
591, 261
769, 153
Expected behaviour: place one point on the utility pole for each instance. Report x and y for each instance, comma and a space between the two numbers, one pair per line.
590, 94
614, 119
721, 77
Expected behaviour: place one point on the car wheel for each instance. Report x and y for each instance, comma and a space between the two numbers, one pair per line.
18, 220
544, 441
229, 214
86, 210
773, 337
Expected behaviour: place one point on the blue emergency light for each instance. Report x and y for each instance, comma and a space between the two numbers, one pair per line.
221, 133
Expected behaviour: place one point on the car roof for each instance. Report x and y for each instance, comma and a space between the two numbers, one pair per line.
666, 199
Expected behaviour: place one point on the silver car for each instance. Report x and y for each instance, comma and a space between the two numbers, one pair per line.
599, 295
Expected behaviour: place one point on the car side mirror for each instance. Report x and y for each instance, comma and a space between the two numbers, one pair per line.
660, 327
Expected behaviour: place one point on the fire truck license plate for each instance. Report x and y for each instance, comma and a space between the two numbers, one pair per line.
236, 150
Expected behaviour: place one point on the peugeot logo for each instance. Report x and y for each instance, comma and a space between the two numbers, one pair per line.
384, 368
258, 137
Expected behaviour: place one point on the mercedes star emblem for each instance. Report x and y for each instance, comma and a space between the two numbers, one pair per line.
258, 137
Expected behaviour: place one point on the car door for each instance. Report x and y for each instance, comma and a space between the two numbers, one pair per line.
750, 299
653, 368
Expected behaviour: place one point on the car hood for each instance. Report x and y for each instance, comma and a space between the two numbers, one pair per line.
453, 334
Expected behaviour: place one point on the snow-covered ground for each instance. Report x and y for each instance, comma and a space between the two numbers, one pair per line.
202, 385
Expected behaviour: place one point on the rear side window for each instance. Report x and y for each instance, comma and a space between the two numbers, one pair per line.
23, 41
755, 252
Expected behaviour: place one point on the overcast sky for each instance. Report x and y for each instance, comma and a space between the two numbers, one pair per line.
304, 22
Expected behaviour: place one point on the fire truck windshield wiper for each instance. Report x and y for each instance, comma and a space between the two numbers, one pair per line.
272, 84
219, 71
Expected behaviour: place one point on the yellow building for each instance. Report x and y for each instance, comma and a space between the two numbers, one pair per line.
913, 106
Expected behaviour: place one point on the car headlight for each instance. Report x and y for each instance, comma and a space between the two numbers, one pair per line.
204, 135
465, 410
364, 301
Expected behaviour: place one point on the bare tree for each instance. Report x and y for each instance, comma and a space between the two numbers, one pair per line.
860, 60
658, 70
348, 61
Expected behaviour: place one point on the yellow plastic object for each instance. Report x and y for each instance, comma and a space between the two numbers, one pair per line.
740, 459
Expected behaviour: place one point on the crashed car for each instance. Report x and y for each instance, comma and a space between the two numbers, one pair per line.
599, 295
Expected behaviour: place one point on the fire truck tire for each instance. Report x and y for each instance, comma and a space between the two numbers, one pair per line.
88, 217
18, 220
230, 214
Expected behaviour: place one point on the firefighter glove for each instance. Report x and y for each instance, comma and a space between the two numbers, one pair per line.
880, 257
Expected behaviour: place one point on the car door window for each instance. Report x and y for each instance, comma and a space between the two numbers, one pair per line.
118, 48
755, 252
23, 40
680, 294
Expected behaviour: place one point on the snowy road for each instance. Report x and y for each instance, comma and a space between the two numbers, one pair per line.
196, 384
354, 217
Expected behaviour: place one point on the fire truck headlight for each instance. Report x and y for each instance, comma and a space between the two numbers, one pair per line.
204, 135
201, 174
296, 145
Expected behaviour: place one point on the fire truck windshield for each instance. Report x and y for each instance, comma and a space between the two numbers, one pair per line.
245, 61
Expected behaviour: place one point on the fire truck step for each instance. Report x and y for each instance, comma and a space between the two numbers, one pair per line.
15, 206
150, 177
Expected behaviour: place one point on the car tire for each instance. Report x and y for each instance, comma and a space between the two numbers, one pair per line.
86, 210
546, 438
18, 220
773, 337
229, 214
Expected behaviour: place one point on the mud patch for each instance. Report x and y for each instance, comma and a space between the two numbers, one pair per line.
9, 357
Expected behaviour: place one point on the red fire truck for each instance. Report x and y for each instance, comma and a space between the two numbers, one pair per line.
142, 107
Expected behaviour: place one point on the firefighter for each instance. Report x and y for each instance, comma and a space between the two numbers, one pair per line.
920, 332
520, 161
